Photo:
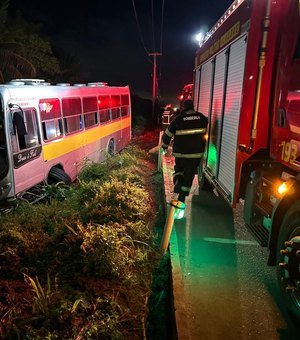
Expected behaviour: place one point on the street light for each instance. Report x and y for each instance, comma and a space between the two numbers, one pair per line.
200, 37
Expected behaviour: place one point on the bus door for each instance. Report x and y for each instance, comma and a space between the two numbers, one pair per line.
26, 149
5, 168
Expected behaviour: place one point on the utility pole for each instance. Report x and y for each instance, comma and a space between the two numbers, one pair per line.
154, 83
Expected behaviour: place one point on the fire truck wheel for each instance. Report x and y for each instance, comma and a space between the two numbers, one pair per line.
288, 260
57, 175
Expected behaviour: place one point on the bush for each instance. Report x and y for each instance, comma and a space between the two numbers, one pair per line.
87, 256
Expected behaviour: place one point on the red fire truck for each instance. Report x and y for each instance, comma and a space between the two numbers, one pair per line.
247, 81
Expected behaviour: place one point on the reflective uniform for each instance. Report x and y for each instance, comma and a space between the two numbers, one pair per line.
187, 130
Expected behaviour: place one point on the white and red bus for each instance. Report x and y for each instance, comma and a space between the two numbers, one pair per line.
47, 132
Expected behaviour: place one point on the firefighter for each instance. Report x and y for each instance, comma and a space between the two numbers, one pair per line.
187, 130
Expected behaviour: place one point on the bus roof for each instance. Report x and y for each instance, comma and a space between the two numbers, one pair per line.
37, 88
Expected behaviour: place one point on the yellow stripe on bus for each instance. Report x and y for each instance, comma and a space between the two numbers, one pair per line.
60, 147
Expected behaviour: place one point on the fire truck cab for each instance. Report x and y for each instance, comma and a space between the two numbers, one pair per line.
247, 82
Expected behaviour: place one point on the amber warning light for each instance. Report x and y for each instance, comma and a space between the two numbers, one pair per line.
282, 188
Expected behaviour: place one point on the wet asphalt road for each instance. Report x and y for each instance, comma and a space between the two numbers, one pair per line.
228, 291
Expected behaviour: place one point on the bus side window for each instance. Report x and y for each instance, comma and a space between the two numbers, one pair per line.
115, 112
72, 113
124, 111
125, 105
52, 129
104, 104
104, 115
90, 111
115, 104
50, 114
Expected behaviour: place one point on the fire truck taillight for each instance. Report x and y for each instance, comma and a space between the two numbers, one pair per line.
282, 188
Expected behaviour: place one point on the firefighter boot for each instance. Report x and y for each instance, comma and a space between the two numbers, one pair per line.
181, 197
178, 183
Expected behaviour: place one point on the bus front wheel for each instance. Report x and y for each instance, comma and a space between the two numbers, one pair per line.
57, 175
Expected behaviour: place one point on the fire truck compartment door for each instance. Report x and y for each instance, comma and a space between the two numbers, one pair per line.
205, 88
196, 88
216, 113
231, 116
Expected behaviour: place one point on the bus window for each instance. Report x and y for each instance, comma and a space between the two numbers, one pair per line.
25, 130
51, 118
125, 105
124, 111
90, 111
73, 124
104, 115
32, 137
90, 119
104, 104
52, 129
124, 100
115, 112
115, 104
71, 108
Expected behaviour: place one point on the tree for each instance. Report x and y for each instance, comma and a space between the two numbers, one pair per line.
12, 63
35, 48
24, 53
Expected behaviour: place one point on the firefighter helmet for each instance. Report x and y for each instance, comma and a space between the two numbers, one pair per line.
188, 104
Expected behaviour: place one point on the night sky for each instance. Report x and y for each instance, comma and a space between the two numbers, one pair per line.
105, 37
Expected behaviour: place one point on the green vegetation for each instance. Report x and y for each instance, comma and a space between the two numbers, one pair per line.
80, 265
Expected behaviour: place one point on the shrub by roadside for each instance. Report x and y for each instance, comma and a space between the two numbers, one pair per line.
81, 267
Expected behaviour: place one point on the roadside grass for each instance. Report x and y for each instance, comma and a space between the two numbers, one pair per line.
81, 265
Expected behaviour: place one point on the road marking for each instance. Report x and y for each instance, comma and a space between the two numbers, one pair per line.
230, 241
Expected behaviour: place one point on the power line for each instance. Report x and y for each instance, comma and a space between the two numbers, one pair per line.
153, 34
154, 53
161, 36
139, 30
162, 24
